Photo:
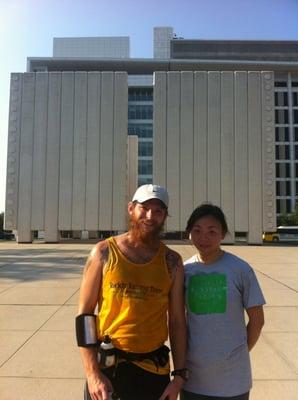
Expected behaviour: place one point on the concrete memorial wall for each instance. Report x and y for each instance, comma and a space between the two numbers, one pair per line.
214, 141
67, 153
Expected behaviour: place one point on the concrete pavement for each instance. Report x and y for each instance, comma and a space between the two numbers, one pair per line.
39, 285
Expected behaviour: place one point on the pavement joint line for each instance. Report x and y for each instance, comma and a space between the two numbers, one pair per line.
279, 352
41, 377
268, 306
37, 304
275, 280
271, 332
38, 329
275, 380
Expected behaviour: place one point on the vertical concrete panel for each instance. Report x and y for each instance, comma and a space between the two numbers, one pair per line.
160, 128
119, 155
200, 137
106, 151
39, 151
173, 150
186, 148
53, 157
132, 166
79, 152
26, 152
255, 201
13, 151
66, 151
213, 150
241, 153
227, 151
93, 146
268, 152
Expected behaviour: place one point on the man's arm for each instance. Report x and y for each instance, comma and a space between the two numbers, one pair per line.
255, 325
98, 384
177, 323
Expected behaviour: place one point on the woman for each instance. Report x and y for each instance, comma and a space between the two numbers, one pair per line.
219, 287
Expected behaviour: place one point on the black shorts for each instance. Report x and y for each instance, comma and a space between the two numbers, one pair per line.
134, 383
184, 395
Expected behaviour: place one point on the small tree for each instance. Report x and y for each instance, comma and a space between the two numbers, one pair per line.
294, 215
289, 219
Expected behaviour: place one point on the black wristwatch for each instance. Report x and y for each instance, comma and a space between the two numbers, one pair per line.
183, 373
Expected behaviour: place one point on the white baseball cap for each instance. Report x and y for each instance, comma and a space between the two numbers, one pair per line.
148, 192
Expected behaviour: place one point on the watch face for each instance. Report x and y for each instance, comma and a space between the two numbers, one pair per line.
184, 373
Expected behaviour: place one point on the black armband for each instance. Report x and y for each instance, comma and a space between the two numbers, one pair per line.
86, 330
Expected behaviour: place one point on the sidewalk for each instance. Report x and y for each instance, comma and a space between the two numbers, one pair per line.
39, 286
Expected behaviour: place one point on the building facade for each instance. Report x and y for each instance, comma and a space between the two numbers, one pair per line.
219, 129
109, 47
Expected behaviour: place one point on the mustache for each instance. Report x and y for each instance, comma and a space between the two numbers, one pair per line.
135, 227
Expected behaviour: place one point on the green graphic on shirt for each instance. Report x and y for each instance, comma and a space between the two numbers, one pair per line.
207, 294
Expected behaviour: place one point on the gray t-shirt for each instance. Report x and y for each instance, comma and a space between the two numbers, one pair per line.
216, 296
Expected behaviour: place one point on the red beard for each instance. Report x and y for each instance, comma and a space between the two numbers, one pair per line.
140, 235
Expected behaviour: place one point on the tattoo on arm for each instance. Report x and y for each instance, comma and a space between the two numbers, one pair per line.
173, 261
103, 257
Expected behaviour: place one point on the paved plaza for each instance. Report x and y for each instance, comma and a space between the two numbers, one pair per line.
39, 286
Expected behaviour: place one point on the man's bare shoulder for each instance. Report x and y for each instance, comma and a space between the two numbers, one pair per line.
98, 255
173, 260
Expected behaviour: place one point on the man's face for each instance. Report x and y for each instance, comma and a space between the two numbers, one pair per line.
147, 219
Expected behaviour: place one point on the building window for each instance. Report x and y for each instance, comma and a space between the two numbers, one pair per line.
140, 94
295, 99
281, 99
282, 134
141, 130
140, 111
296, 134
145, 149
143, 180
295, 112
283, 188
283, 170
283, 206
282, 152
145, 167
281, 116
280, 84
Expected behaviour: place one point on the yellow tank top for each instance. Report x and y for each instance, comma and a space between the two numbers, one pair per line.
133, 303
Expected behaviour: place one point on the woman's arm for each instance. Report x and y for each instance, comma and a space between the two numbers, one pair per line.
255, 325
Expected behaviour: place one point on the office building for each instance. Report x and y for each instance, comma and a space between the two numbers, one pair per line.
109, 47
213, 122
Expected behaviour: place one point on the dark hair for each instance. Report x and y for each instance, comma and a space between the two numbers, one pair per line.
204, 210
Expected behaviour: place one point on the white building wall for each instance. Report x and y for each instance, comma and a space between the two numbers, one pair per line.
162, 37
218, 134
106, 47
66, 149
132, 166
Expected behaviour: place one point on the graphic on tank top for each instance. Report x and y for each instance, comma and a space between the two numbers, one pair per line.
207, 293
131, 290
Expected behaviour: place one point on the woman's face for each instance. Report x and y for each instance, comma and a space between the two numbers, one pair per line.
206, 235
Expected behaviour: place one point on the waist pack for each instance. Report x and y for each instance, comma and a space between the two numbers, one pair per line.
160, 356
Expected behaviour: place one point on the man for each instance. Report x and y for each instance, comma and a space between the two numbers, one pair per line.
137, 283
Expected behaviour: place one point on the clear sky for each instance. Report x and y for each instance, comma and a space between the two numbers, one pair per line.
27, 28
